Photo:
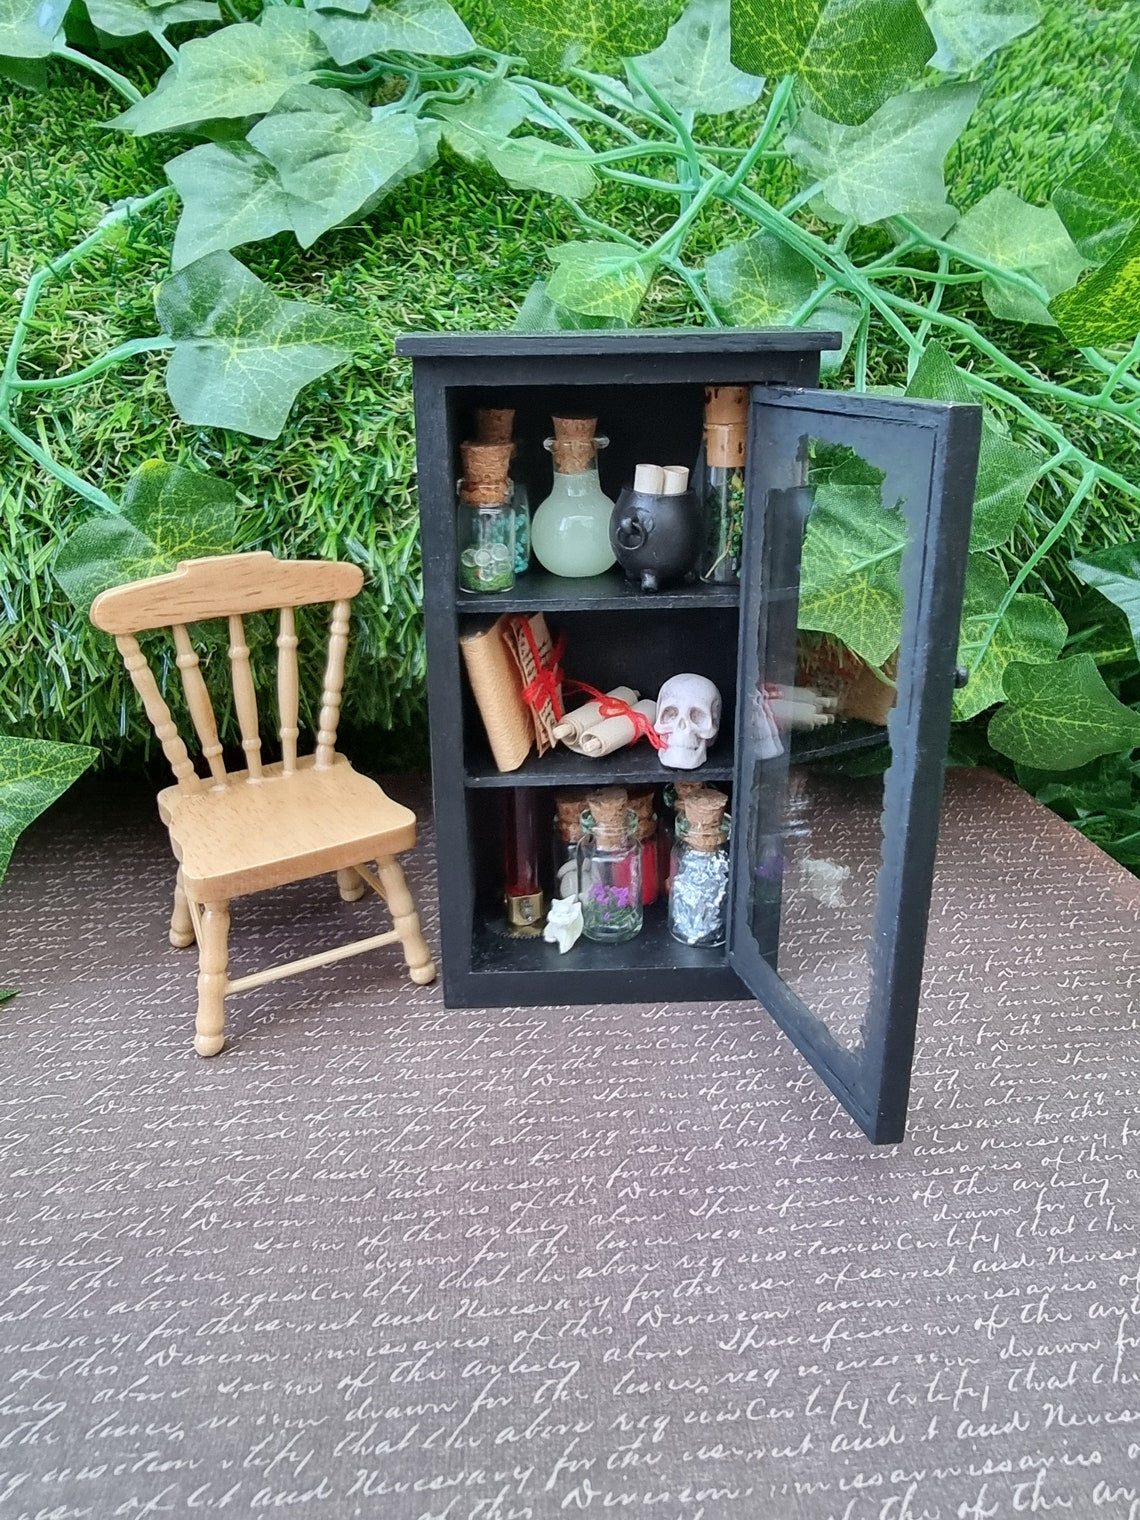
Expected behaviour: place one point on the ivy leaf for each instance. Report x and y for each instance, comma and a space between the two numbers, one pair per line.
1031, 240
764, 283
893, 161
538, 313
849, 572
1031, 632
28, 28
169, 514
599, 279
333, 157
550, 33
406, 26
1006, 470
1060, 716
243, 70
1115, 573
850, 55
692, 68
470, 126
230, 195
241, 353
531, 163
1104, 309
132, 18
33, 773
968, 31
1100, 201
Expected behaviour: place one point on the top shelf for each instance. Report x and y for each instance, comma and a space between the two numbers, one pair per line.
539, 591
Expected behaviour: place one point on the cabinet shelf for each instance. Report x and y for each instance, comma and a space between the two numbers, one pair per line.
636, 765
539, 591
653, 948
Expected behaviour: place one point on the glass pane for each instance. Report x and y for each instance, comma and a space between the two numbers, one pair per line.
830, 627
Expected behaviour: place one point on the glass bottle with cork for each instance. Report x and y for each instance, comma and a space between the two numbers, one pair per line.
698, 899
495, 424
641, 801
673, 805
486, 518
609, 854
726, 445
570, 532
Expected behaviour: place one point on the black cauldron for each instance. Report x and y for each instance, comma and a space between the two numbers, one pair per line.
656, 538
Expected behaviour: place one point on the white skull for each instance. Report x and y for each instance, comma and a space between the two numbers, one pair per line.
688, 718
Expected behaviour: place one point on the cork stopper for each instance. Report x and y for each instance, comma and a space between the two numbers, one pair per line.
683, 790
676, 480
726, 444
727, 403
574, 444
609, 808
704, 818
486, 468
568, 807
494, 424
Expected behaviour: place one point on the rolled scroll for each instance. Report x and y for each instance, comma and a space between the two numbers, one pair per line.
575, 723
614, 733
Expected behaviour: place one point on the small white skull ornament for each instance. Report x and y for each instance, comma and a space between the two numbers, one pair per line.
688, 718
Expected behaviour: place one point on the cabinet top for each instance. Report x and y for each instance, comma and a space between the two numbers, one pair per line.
643, 342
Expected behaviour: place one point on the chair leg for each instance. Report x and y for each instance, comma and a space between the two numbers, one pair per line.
350, 886
213, 961
181, 924
406, 920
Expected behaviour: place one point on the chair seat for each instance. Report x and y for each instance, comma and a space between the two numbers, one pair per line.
245, 836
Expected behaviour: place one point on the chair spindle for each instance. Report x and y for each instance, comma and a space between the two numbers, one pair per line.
245, 698
287, 688
157, 711
333, 686
198, 701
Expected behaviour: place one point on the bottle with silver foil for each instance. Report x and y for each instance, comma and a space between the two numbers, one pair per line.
698, 899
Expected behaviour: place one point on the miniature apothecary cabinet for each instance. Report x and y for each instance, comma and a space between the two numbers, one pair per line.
853, 506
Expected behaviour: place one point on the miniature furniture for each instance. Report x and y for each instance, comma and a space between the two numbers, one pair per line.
244, 831
833, 950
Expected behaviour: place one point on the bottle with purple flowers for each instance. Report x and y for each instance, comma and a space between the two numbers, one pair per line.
609, 866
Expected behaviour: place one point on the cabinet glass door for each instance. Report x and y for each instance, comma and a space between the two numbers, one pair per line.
855, 547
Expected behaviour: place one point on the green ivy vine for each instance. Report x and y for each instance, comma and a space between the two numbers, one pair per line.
309, 115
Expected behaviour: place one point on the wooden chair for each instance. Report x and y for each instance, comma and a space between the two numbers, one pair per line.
270, 823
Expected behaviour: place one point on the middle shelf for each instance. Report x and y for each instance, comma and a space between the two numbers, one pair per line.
636, 765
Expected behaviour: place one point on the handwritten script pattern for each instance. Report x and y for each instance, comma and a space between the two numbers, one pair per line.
382, 1259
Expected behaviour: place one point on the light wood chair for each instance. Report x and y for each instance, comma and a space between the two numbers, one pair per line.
269, 824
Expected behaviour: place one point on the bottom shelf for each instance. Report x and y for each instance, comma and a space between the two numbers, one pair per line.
531, 973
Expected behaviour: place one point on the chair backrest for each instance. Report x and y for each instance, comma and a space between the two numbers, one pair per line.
230, 587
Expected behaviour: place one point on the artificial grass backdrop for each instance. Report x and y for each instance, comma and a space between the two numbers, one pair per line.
453, 249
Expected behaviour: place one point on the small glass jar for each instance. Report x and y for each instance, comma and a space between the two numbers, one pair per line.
642, 804
521, 503
698, 899
567, 834
673, 802
609, 855
486, 544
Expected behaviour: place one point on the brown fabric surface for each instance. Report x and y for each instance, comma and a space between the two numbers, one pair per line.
382, 1259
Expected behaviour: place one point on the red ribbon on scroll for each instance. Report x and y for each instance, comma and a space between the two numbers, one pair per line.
547, 684
614, 707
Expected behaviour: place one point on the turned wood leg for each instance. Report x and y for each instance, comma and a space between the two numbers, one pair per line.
213, 960
406, 921
351, 886
181, 924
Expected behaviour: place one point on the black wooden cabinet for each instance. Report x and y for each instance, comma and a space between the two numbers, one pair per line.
831, 870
